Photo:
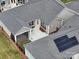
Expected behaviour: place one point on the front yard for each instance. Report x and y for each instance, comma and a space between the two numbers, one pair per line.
7, 50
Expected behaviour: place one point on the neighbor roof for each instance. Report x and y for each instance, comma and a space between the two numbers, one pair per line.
46, 48
74, 5
16, 18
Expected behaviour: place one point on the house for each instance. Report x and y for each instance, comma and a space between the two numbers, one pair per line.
32, 21
62, 45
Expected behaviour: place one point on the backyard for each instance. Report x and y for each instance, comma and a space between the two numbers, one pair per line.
7, 50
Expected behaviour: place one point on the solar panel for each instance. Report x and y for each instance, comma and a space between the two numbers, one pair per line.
64, 42
61, 39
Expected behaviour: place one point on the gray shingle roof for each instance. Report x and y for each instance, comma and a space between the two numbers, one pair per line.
32, 1
72, 22
74, 5
45, 48
50, 10
40, 49
10, 22
46, 10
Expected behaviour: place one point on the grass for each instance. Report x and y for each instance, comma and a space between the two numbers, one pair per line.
7, 50
67, 1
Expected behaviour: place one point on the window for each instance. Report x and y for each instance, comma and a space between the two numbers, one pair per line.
63, 43
31, 23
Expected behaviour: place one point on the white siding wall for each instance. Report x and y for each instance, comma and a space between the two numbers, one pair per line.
27, 53
5, 28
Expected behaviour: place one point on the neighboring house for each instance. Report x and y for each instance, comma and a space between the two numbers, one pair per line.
62, 45
25, 20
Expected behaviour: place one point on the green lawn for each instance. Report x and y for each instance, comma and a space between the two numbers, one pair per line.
7, 51
66, 1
